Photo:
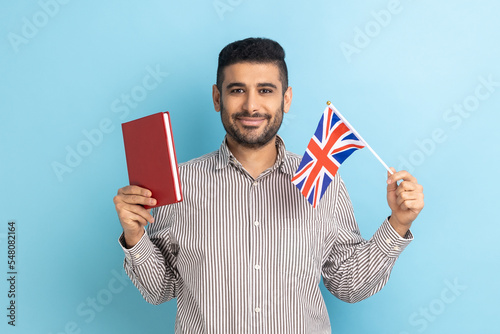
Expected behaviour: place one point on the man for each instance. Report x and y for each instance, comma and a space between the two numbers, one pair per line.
245, 252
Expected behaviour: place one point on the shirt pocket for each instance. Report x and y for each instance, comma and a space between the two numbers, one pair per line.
299, 252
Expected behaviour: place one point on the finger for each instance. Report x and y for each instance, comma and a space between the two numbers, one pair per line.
133, 218
415, 205
401, 175
134, 199
135, 190
406, 196
125, 211
406, 186
411, 201
138, 200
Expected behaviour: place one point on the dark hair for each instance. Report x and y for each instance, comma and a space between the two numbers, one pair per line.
253, 50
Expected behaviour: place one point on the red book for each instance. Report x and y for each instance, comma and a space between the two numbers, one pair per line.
151, 160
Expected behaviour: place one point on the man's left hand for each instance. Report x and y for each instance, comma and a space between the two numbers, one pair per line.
406, 200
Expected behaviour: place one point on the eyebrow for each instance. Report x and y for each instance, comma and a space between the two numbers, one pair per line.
240, 84
235, 84
267, 84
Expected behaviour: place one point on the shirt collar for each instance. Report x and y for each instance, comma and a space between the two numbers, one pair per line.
282, 160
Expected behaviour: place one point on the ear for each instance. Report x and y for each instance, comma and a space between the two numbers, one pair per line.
287, 99
216, 97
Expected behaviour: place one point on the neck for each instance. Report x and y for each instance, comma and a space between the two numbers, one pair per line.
254, 160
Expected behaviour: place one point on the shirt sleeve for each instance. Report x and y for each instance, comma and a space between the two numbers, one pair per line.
151, 264
354, 268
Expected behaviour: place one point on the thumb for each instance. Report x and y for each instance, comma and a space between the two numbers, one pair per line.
392, 183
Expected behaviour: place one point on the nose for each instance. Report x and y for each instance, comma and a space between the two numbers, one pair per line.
251, 103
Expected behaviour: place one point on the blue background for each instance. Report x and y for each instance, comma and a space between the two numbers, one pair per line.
398, 71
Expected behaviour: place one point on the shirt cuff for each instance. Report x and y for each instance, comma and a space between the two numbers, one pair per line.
389, 241
138, 254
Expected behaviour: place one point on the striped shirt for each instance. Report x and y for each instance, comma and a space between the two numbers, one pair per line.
246, 255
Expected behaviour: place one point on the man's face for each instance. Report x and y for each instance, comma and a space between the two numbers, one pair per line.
251, 103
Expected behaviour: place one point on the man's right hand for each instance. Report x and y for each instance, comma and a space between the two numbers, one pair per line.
133, 216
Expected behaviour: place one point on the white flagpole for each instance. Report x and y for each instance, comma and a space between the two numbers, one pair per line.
330, 105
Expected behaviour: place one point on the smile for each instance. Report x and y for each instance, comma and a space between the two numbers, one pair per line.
251, 121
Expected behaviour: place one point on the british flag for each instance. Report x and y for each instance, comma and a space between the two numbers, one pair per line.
332, 143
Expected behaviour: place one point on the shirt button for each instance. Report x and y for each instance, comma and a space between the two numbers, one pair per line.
396, 248
388, 241
257, 309
137, 256
255, 183
257, 267
256, 223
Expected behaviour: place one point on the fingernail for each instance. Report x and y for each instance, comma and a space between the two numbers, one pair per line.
152, 201
389, 181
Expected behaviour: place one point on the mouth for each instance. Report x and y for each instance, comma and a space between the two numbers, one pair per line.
251, 121
248, 120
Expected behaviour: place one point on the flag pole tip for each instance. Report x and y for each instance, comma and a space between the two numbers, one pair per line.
328, 102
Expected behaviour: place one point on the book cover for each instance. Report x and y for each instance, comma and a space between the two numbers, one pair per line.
151, 159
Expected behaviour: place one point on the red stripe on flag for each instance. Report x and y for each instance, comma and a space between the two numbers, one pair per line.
305, 169
346, 147
328, 122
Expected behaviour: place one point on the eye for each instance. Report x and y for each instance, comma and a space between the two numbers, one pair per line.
236, 91
266, 91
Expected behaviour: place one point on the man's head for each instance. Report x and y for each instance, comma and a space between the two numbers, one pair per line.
252, 92
253, 50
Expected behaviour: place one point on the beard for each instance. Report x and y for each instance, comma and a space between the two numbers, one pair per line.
250, 136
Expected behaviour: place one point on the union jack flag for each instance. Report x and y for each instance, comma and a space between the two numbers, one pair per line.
332, 143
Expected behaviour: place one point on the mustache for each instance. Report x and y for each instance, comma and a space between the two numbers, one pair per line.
250, 115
